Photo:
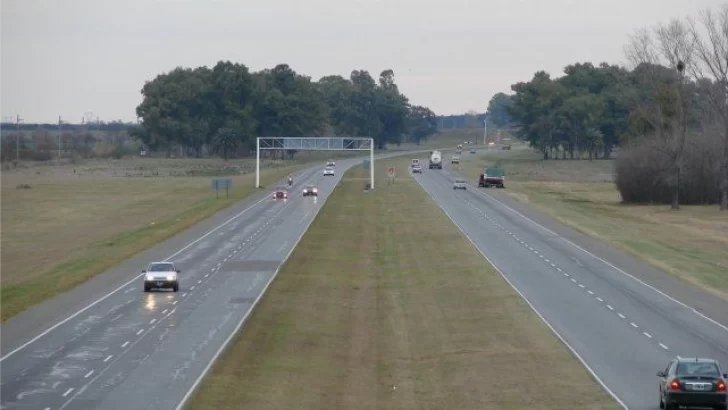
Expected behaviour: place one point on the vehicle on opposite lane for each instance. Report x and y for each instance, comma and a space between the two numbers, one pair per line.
460, 184
310, 190
281, 192
161, 275
694, 382
329, 171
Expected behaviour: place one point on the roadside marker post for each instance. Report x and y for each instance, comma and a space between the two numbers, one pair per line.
220, 183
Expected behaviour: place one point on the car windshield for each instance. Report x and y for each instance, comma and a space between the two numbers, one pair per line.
281, 188
695, 369
161, 267
310, 187
460, 181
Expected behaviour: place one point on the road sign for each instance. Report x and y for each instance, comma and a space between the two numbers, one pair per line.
222, 183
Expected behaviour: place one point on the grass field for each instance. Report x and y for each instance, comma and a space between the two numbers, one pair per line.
691, 243
397, 311
79, 219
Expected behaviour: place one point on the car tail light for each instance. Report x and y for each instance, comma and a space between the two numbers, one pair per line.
721, 385
675, 384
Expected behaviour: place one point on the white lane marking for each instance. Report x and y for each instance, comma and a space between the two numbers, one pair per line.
199, 281
566, 274
573, 280
600, 299
610, 307
67, 392
108, 358
647, 334
663, 346
174, 303
140, 331
125, 344
242, 321
633, 324
89, 374
164, 311
713, 321
581, 286
547, 261
151, 322
192, 288
207, 274
621, 315
558, 269
94, 303
528, 302
590, 292
184, 294
553, 266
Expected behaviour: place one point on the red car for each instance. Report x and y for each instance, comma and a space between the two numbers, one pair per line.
280, 193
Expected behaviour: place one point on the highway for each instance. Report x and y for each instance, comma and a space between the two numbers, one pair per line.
109, 345
610, 309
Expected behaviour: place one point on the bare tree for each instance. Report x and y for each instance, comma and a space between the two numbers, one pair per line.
669, 45
711, 56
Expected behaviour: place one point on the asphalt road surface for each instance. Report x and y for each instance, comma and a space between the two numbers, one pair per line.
109, 345
623, 319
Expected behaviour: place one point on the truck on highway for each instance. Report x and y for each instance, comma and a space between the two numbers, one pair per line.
435, 159
492, 177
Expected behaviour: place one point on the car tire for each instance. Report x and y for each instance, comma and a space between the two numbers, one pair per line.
146, 289
176, 288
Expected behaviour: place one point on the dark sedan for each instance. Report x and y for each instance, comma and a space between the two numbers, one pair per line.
280, 193
692, 382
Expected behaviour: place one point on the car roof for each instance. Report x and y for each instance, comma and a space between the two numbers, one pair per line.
310, 186
696, 360
161, 263
281, 188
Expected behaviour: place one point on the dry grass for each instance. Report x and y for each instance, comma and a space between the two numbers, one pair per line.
691, 243
398, 311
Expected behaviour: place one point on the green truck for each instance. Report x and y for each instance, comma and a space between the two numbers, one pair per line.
492, 177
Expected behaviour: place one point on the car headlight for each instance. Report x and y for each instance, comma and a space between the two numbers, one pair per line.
171, 277
315, 190
150, 277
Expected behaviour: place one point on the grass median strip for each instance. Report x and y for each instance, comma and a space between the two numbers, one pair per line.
384, 304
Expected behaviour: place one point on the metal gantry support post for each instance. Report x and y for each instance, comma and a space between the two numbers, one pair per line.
257, 162
371, 161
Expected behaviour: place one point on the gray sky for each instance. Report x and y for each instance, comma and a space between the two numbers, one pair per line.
68, 57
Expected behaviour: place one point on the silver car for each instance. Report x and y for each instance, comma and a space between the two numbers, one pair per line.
160, 275
460, 184
329, 171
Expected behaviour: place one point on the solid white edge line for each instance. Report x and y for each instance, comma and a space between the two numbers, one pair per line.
245, 317
713, 321
543, 319
50, 329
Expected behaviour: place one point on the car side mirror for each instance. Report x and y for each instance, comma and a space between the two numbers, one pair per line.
144, 271
179, 271
660, 374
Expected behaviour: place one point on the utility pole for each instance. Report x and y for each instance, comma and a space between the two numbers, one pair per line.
59, 139
17, 137
485, 129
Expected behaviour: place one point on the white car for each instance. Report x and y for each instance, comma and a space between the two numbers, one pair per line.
460, 184
161, 275
329, 171
331, 163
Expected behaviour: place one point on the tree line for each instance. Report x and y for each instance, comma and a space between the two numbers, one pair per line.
223, 109
667, 112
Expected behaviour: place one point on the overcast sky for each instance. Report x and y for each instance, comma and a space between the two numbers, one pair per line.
69, 57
